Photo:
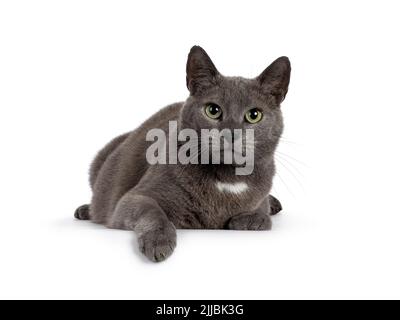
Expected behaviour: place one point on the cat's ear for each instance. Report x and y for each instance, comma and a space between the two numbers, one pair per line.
275, 79
201, 73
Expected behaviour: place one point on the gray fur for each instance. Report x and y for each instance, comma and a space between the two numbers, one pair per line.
130, 194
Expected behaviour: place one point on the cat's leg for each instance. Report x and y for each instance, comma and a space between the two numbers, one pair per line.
142, 214
258, 219
82, 213
102, 156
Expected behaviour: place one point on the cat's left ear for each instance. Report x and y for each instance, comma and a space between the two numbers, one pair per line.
201, 73
275, 79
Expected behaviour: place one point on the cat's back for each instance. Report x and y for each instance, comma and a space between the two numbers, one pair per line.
135, 140
121, 164
130, 149
159, 120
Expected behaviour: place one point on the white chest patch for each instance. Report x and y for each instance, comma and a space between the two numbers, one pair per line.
236, 188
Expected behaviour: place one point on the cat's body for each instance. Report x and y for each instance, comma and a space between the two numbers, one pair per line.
153, 200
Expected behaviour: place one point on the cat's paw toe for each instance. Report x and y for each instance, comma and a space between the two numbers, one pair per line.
82, 213
256, 222
158, 245
275, 205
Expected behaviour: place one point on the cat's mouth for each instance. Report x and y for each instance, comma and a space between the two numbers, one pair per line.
231, 156
214, 154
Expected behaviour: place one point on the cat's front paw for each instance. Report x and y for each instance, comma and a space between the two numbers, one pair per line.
275, 205
158, 245
250, 221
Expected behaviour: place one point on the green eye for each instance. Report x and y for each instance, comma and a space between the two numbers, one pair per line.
253, 116
213, 111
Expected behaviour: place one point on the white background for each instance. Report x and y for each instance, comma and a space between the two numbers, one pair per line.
74, 74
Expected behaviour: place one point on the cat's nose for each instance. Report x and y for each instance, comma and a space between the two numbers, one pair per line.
237, 134
233, 136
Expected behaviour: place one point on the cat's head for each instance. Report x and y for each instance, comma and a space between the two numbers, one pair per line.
219, 102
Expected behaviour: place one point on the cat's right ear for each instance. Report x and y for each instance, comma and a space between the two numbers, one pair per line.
201, 72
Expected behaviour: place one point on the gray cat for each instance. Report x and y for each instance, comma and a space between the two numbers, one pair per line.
154, 200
